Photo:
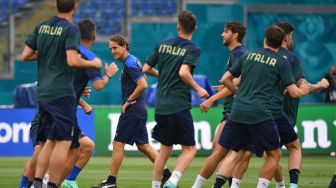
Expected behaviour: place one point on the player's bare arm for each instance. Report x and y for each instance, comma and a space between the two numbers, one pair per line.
297, 92
86, 107
150, 70
322, 84
139, 89
110, 71
74, 60
188, 79
28, 54
227, 81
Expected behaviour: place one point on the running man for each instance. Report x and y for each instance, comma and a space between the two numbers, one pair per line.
176, 59
57, 42
233, 35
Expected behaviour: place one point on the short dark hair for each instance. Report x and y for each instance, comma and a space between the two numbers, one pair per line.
87, 29
274, 36
237, 27
187, 21
287, 27
65, 6
120, 40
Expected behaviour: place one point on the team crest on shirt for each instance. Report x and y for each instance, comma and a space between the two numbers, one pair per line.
139, 64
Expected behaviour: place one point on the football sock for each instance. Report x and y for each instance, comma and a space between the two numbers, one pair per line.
24, 181
235, 183
294, 176
199, 181
220, 181
263, 183
74, 173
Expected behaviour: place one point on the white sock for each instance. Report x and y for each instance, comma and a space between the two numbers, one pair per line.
199, 182
263, 183
235, 183
175, 177
156, 184
281, 184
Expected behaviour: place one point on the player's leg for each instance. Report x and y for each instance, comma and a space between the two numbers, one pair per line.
265, 137
278, 177
289, 138
294, 162
228, 139
226, 168
159, 165
85, 150
73, 156
126, 133
240, 169
218, 133
60, 134
182, 132
144, 146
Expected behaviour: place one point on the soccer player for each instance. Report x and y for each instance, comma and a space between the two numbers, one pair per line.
57, 42
291, 105
233, 36
332, 183
288, 136
82, 76
250, 120
176, 59
132, 121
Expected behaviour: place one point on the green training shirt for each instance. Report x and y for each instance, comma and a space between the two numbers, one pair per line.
51, 39
173, 95
261, 71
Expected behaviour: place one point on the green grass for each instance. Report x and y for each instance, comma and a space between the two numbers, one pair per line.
137, 172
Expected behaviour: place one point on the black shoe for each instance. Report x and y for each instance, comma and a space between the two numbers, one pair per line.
104, 184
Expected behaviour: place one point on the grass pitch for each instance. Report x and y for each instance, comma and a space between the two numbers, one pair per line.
136, 172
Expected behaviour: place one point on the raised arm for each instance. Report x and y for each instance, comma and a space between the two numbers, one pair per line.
110, 71
74, 60
322, 84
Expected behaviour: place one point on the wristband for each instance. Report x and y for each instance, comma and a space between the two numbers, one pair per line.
108, 76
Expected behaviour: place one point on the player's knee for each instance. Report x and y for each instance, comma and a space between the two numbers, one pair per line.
87, 145
118, 146
143, 147
191, 150
293, 145
274, 154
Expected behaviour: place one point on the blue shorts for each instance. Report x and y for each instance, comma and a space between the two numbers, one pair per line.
286, 130
131, 129
33, 131
256, 138
58, 120
226, 115
175, 128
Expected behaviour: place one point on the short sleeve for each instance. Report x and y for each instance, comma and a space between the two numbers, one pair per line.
32, 40
133, 68
94, 74
72, 38
284, 72
152, 59
235, 69
192, 57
